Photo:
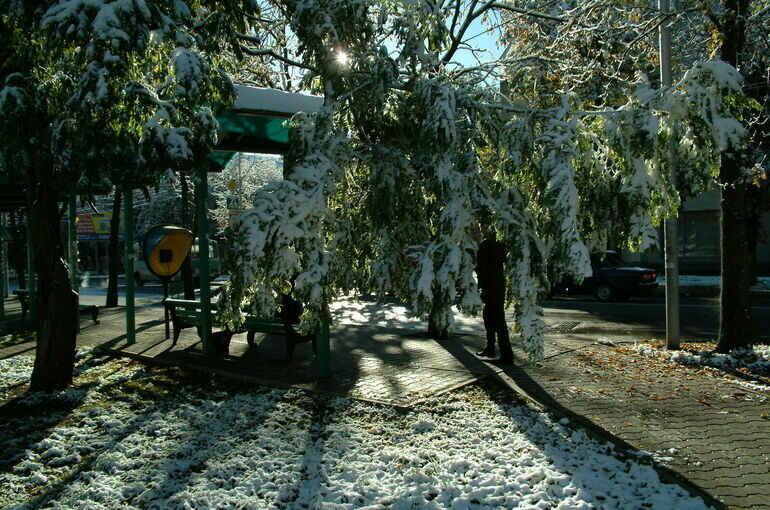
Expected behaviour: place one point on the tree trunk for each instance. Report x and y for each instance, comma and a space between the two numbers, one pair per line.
16, 253
114, 255
435, 328
56, 301
187, 273
754, 227
99, 258
735, 328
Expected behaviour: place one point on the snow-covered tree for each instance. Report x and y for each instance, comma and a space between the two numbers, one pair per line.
593, 48
161, 205
101, 90
235, 188
387, 183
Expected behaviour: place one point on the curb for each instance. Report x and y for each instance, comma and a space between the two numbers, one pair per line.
706, 291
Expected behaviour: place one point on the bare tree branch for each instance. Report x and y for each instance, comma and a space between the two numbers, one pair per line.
271, 53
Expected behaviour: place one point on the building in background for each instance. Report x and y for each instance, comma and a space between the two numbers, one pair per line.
699, 251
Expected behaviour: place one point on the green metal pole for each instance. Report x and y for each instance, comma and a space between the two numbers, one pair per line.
201, 192
6, 276
31, 276
72, 245
3, 268
128, 241
322, 365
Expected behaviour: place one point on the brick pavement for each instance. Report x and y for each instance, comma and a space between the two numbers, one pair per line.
377, 364
696, 422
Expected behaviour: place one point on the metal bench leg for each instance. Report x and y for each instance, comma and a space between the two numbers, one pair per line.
177, 331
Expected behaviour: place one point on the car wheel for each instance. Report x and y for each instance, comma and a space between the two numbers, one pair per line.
138, 279
604, 292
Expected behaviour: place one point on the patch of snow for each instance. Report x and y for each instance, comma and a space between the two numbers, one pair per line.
15, 372
282, 448
350, 311
757, 360
751, 385
688, 280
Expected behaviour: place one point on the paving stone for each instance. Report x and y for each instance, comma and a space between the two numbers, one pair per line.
726, 436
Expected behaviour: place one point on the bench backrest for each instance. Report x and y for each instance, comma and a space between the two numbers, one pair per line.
187, 310
23, 295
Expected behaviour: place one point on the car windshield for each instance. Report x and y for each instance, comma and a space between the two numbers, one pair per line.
612, 259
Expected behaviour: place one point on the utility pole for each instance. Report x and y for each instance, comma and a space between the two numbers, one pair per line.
670, 234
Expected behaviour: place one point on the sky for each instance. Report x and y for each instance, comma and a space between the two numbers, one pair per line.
480, 36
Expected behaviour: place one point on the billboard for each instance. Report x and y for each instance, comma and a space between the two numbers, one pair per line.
95, 226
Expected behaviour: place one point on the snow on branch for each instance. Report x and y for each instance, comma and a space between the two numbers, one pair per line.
387, 189
282, 237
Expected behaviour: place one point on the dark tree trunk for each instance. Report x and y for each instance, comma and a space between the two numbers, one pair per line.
187, 273
114, 255
735, 328
754, 226
56, 301
434, 329
17, 252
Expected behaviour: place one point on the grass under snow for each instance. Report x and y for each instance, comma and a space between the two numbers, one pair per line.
129, 436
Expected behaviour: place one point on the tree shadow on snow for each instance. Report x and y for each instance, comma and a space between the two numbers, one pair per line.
560, 451
28, 418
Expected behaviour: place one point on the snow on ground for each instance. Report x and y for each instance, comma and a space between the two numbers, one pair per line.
756, 361
134, 437
15, 371
689, 280
349, 310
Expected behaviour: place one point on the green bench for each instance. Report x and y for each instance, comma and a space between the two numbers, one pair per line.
186, 313
23, 295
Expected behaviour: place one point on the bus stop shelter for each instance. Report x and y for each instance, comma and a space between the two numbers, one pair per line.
257, 124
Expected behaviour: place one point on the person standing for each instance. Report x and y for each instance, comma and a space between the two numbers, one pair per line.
490, 261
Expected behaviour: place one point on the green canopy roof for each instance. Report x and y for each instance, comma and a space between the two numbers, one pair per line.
258, 123
247, 132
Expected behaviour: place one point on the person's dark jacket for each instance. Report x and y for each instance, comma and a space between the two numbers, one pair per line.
490, 262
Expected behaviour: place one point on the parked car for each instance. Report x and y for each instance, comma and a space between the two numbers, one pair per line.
612, 279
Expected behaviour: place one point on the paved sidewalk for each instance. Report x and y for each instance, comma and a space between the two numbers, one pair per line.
697, 422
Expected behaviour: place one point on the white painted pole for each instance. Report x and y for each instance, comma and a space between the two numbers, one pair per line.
670, 236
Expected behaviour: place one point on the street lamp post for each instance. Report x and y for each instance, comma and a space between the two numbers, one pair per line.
670, 234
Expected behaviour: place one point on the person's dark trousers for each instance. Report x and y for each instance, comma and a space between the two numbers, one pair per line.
495, 326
